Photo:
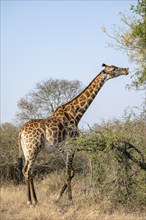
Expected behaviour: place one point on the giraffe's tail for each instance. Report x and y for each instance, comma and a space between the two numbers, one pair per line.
20, 160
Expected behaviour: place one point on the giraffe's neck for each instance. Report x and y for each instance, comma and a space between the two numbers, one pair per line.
75, 108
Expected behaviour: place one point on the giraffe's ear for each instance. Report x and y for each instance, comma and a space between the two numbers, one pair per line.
104, 65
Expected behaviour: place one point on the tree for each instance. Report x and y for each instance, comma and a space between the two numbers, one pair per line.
131, 38
46, 97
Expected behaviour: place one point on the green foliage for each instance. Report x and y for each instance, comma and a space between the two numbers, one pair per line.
110, 156
116, 152
131, 38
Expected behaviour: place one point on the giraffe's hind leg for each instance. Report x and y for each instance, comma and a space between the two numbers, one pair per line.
33, 190
27, 182
28, 175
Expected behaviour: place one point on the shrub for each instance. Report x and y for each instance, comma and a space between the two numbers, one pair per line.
110, 156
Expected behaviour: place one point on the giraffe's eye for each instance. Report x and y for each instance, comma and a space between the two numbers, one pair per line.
114, 69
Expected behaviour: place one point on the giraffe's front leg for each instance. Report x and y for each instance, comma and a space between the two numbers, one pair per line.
69, 162
69, 183
70, 174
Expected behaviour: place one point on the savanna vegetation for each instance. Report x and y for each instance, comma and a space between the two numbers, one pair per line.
109, 159
110, 172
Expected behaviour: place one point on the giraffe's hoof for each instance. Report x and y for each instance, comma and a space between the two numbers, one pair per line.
29, 203
36, 203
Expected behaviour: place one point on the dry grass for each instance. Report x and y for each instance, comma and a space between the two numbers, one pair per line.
84, 207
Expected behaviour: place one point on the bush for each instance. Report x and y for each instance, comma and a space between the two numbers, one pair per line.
110, 156
8, 152
117, 168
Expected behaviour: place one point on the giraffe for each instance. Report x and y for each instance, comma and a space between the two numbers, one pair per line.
50, 133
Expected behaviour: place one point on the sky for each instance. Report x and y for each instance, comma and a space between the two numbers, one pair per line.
63, 40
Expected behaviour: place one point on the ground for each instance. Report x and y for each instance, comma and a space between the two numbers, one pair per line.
83, 207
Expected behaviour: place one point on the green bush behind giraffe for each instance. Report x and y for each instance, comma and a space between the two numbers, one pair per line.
99, 160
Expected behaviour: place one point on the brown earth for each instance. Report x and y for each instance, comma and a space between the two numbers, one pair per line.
84, 207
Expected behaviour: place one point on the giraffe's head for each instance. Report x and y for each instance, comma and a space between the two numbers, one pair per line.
114, 71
